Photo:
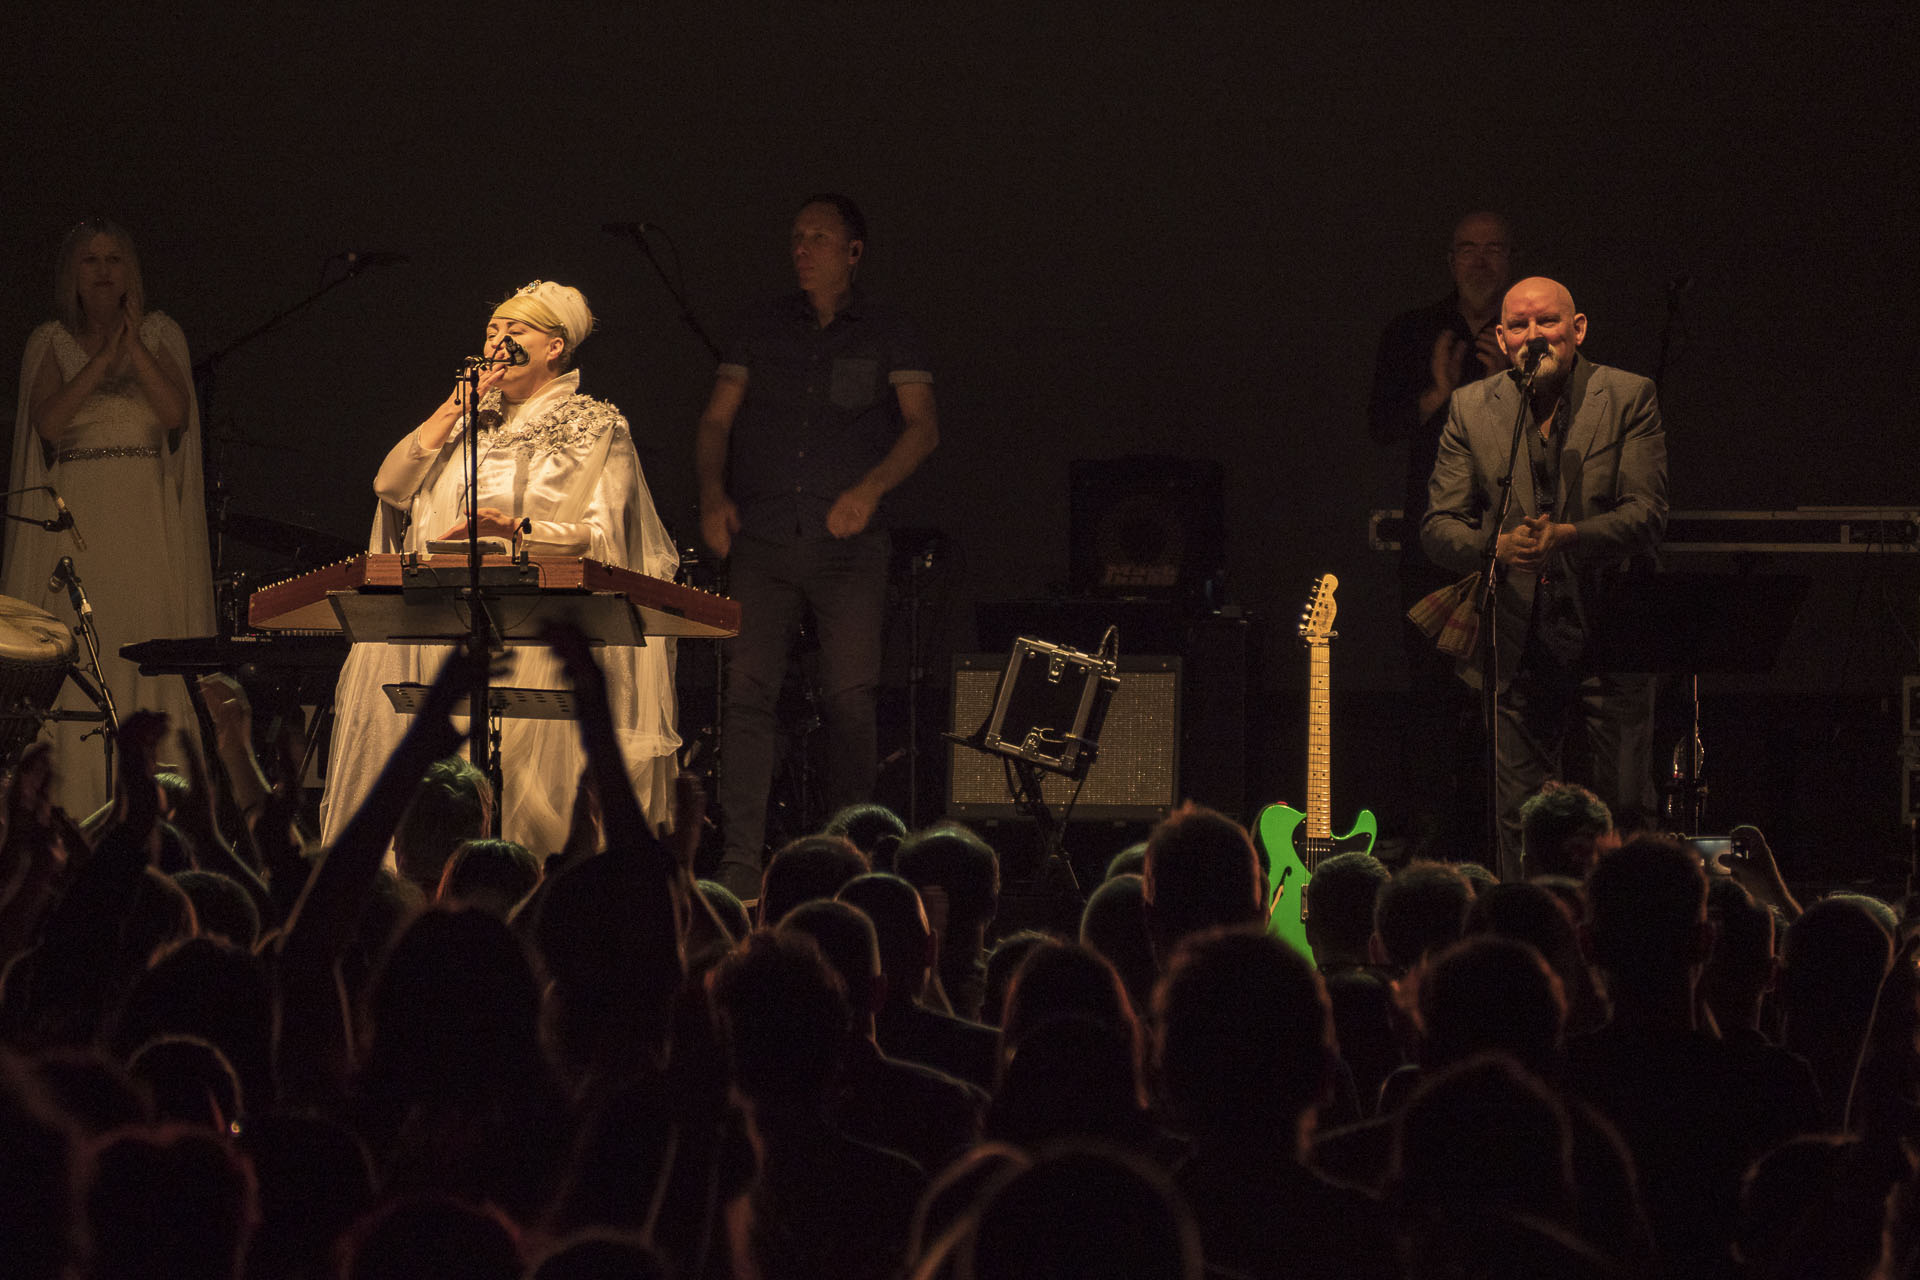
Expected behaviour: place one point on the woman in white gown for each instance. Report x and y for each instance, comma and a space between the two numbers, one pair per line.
107, 420
559, 477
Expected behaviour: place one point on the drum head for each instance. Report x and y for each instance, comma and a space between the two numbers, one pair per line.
32, 637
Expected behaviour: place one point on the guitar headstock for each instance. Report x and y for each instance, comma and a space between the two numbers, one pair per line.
1316, 619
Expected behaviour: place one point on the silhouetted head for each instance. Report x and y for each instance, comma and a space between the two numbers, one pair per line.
211, 991
1564, 828
846, 938
953, 1192
873, 829
1796, 1217
1244, 1042
730, 910
1488, 994
602, 1254
314, 1183
1130, 861
1422, 909
1114, 925
784, 1014
1003, 961
958, 861
1201, 871
432, 1236
804, 869
1741, 966
493, 875
36, 1176
1647, 912
1061, 978
168, 1203
455, 1013
1081, 1212
1340, 900
191, 1083
1481, 1137
1831, 963
452, 804
900, 927
603, 923
221, 907
1069, 1076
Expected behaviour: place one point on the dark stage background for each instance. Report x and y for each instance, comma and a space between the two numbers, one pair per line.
1132, 229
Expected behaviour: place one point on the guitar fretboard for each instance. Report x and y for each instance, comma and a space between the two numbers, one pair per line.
1319, 743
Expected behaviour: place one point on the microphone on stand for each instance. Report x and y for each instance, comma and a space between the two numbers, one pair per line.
626, 228
66, 521
64, 575
1536, 351
357, 260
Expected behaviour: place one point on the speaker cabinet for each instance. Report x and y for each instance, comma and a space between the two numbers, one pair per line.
1147, 526
1135, 778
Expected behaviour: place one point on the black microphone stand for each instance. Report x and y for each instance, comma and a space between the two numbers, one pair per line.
205, 376
1675, 287
637, 232
1492, 573
634, 232
97, 690
480, 628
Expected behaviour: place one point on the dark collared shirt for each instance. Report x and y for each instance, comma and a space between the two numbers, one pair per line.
1557, 617
820, 410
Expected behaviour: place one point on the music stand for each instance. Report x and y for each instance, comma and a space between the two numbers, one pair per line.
1047, 713
1692, 624
434, 608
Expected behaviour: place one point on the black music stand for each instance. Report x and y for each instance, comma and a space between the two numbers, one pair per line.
1692, 624
435, 608
1047, 713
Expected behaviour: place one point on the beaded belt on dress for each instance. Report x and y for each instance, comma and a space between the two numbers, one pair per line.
119, 451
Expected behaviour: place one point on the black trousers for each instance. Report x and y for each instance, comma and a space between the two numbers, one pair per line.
844, 583
1559, 722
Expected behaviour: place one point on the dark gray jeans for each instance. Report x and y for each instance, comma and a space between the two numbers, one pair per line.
1596, 730
844, 581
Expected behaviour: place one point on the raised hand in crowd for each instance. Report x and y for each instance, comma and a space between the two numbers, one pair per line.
137, 800
1751, 864
211, 850
315, 1034
35, 849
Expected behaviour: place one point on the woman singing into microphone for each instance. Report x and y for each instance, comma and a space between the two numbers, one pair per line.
558, 477
107, 420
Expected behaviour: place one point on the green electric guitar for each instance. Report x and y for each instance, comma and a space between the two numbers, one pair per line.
1296, 842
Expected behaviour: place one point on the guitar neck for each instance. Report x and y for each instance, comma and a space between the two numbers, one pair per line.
1319, 823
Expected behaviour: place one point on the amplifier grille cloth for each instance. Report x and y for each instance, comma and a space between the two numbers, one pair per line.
1138, 766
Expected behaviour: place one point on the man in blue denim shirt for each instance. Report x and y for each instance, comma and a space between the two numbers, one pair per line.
822, 407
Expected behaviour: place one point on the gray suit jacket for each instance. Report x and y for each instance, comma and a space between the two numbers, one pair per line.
1613, 488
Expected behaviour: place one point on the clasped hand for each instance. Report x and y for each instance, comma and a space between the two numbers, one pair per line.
1531, 543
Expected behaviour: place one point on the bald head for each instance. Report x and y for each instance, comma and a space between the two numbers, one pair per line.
1539, 290
1539, 308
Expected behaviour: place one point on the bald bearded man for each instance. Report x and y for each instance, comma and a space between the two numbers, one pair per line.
1589, 496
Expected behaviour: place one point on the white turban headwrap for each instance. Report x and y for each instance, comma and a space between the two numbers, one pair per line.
554, 307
